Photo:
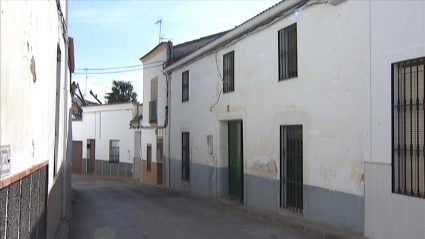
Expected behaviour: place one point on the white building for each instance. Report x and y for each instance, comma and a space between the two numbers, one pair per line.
291, 112
36, 61
155, 95
390, 211
107, 142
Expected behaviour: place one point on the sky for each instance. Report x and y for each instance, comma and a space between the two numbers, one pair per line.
110, 34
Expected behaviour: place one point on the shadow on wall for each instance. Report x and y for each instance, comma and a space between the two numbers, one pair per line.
23, 207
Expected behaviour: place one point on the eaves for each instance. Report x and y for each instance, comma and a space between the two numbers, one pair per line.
263, 17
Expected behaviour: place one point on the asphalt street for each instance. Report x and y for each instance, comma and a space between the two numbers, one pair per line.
109, 208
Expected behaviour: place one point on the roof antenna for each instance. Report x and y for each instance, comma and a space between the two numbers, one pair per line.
160, 26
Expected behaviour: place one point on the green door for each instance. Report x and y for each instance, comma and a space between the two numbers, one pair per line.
235, 160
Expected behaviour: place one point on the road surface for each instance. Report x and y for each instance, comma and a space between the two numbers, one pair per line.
109, 208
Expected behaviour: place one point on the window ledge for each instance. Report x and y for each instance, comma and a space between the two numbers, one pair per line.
284, 79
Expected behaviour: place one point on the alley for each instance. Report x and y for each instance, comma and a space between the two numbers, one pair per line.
117, 208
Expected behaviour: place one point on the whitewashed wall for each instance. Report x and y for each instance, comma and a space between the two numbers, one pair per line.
104, 123
329, 98
148, 134
398, 34
31, 30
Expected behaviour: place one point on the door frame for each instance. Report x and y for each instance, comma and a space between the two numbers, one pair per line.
221, 149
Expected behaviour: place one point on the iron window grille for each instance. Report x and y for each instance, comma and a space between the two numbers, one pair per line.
153, 113
291, 167
149, 158
185, 86
229, 72
288, 52
408, 124
185, 156
114, 151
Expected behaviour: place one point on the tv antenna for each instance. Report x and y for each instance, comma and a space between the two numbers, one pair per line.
160, 28
85, 92
161, 36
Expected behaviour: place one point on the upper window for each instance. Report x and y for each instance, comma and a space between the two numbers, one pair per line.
153, 104
408, 124
229, 72
185, 86
185, 157
288, 63
114, 151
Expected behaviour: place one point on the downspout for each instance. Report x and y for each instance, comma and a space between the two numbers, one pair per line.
169, 127
66, 129
170, 58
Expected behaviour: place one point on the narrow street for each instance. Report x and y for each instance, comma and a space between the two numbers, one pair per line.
110, 208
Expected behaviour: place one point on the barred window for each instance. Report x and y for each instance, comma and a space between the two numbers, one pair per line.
288, 56
185, 86
114, 151
229, 72
408, 124
185, 157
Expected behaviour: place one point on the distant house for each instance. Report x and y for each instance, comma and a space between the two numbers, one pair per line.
155, 93
105, 141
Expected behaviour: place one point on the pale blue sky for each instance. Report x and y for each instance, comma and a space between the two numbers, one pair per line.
117, 33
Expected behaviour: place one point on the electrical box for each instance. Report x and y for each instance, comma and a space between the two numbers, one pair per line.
210, 144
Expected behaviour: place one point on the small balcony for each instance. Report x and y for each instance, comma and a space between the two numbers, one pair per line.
153, 111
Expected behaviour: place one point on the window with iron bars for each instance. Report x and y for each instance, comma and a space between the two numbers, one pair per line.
288, 56
291, 167
185, 157
149, 158
408, 124
114, 151
229, 72
185, 86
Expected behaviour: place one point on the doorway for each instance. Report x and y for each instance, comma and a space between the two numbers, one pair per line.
90, 155
235, 141
77, 152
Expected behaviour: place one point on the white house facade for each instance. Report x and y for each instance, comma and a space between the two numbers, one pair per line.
36, 135
157, 95
107, 142
154, 112
275, 113
395, 170
312, 109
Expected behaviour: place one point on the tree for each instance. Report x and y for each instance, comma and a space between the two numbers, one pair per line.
122, 91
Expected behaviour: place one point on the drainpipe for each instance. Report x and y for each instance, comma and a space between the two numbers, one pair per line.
66, 119
168, 79
170, 58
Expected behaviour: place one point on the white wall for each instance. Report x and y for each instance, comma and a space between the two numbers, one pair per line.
104, 123
327, 98
148, 134
398, 33
31, 30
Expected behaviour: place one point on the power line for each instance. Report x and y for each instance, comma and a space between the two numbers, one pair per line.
113, 72
117, 67
109, 68
109, 72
